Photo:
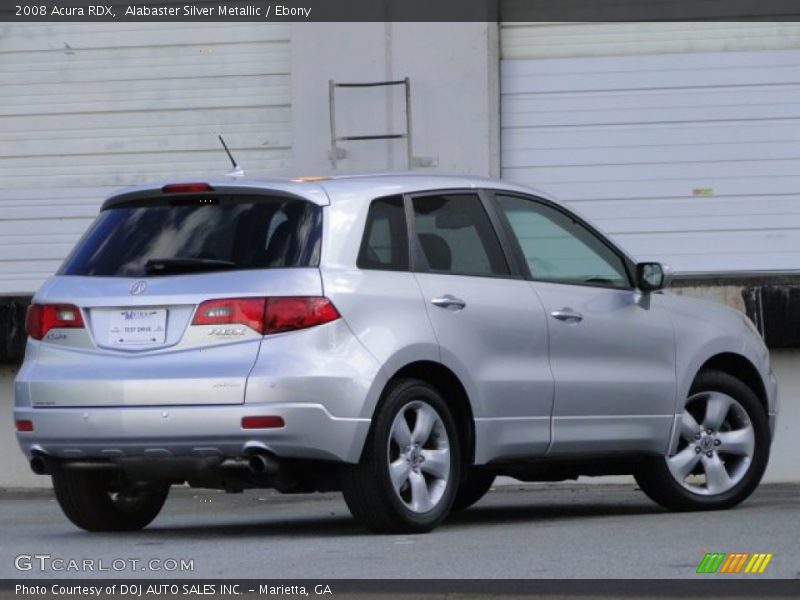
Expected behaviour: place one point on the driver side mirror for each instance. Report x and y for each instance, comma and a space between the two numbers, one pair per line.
652, 276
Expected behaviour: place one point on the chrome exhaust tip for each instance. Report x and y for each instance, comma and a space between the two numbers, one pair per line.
39, 466
263, 464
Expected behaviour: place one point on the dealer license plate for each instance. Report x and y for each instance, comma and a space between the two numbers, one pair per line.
137, 327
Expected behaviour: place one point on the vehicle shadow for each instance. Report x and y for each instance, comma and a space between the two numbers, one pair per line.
532, 513
340, 525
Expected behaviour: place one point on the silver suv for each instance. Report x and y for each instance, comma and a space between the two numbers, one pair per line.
403, 339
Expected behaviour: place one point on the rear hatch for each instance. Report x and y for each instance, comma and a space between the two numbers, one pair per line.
164, 300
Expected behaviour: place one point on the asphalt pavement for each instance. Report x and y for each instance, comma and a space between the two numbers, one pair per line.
518, 531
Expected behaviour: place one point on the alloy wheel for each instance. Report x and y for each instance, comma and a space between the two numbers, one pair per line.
419, 456
716, 444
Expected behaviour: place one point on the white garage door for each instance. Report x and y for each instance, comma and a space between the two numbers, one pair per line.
681, 140
88, 108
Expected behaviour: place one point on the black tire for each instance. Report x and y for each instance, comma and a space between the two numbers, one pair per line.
472, 488
655, 479
92, 502
367, 486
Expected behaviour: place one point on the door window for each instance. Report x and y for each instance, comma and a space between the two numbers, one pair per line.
456, 236
560, 249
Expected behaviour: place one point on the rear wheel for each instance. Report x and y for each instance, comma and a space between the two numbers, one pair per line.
407, 478
97, 502
722, 451
472, 488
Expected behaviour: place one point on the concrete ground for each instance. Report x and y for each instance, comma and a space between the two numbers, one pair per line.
520, 531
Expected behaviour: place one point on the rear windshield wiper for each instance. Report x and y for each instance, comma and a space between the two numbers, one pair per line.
157, 266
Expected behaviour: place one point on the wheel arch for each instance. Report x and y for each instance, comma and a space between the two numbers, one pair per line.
740, 367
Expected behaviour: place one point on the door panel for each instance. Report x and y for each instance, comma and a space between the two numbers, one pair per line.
611, 350
614, 369
498, 343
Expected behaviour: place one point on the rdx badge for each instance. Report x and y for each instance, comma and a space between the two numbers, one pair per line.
227, 331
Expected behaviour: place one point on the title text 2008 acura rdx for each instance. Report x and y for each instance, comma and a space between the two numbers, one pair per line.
403, 339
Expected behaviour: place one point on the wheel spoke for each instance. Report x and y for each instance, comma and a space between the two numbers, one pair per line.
436, 463
689, 426
401, 434
683, 462
420, 496
717, 478
717, 409
426, 419
739, 441
398, 472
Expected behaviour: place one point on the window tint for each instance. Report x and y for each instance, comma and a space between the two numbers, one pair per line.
385, 242
233, 232
456, 235
559, 249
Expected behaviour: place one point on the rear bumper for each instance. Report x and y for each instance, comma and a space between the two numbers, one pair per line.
310, 431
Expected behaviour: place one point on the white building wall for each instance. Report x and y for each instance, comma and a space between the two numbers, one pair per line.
86, 108
564, 40
453, 73
679, 139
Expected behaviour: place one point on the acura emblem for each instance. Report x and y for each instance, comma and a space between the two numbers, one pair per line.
138, 288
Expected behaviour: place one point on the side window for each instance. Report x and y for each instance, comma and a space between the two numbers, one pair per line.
385, 242
559, 249
456, 235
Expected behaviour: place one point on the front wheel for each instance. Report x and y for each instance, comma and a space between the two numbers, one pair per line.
97, 502
722, 451
407, 478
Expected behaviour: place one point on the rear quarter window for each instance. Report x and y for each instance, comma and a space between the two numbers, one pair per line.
384, 246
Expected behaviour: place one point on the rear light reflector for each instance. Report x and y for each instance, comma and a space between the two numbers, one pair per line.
186, 188
262, 422
231, 311
267, 315
41, 318
24, 425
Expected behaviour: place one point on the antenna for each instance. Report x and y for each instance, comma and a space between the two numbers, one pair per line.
236, 171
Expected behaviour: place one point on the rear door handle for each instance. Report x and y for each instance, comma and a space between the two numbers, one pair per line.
567, 315
448, 301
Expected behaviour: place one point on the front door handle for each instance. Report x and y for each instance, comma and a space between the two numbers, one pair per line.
448, 301
567, 315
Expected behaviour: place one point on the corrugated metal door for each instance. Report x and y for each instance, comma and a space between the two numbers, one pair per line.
86, 108
682, 140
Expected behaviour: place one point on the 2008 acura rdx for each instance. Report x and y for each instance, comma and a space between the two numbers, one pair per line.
403, 339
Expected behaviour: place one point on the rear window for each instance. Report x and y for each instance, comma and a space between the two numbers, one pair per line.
162, 237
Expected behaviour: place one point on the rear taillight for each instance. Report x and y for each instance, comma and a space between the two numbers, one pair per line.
41, 318
287, 314
267, 315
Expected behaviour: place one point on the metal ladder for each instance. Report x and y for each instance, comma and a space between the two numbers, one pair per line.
332, 86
